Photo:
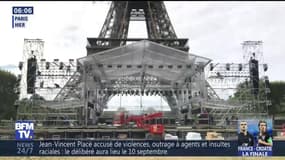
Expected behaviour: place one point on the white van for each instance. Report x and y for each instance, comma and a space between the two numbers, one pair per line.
193, 136
170, 137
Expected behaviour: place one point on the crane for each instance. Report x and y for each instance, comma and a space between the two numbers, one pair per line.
156, 131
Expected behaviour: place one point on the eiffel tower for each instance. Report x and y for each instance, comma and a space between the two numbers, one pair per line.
114, 32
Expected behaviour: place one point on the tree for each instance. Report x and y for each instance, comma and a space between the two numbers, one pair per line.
7, 95
276, 95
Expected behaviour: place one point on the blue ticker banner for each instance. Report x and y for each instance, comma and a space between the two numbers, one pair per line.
126, 148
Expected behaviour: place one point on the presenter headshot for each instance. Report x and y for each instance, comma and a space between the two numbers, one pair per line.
244, 137
264, 139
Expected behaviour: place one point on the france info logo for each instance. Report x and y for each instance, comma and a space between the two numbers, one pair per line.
24, 130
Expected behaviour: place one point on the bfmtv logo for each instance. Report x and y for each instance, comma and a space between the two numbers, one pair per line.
24, 130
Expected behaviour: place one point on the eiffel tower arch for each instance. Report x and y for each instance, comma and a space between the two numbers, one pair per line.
114, 32
157, 65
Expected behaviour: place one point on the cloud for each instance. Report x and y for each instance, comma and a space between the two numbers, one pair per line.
214, 29
217, 29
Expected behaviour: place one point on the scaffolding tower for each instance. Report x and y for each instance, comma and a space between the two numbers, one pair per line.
243, 85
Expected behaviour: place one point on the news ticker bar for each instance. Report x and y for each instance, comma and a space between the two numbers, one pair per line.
131, 148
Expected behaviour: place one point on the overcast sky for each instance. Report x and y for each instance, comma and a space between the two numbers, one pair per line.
215, 29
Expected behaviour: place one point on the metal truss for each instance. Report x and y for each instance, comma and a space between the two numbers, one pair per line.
114, 32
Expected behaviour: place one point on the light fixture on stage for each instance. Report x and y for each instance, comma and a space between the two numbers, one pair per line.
42, 84
165, 93
137, 92
227, 66
156, 92
170, 93
211, 66
219, 75
68, 68
184, 109
265, 67
170, 66
239, 67
78, 68
20, 65
90, 105
56, 85
152, 92
147, 92
109, 92
47, 65
188, 79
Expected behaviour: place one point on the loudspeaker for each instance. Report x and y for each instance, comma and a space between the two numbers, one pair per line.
31, 75
254, 76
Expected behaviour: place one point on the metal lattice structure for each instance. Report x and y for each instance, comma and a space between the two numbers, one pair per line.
144, 68
236, 83
114, 32
32, 48
50, 79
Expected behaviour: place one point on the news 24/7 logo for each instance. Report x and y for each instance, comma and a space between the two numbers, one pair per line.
24, 130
